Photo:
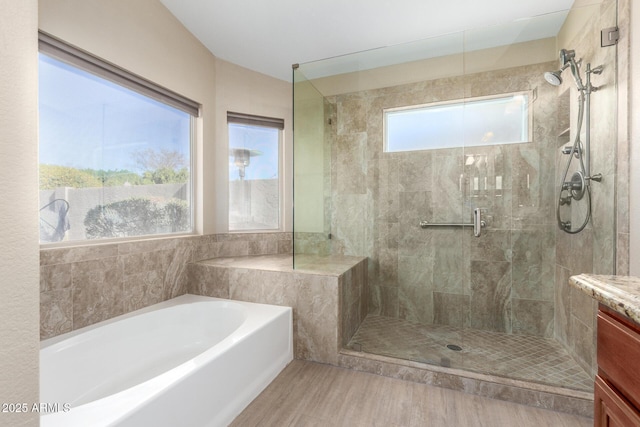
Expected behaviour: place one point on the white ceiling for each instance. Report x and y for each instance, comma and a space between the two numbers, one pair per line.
270, 36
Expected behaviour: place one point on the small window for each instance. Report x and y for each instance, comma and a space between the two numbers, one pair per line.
502, 119
254, 172
115, 161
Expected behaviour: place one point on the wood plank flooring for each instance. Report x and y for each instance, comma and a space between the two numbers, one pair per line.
314, 395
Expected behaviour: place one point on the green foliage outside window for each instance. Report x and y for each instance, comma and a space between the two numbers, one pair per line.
136, 216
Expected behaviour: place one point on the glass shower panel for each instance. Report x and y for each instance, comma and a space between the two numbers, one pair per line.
312, 177
437, 293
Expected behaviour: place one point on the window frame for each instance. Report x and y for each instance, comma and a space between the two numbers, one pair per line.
528, 94
259, 121
62, 51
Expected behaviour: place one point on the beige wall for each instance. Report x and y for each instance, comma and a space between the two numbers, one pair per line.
145, 38
18, 214
244, 91
502, 57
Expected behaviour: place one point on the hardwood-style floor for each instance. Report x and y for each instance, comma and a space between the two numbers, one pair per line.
314, 395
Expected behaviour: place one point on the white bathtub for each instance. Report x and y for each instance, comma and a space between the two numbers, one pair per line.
189, 361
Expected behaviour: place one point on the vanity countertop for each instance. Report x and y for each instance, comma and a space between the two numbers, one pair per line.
619, 293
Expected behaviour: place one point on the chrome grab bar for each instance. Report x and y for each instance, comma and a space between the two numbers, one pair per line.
477, 224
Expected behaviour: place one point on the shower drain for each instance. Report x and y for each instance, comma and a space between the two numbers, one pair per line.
454, 347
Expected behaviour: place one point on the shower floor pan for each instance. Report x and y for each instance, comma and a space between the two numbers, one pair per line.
521, 357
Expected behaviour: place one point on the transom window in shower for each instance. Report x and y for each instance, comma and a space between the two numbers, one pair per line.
115, 150
254, 172
470, 122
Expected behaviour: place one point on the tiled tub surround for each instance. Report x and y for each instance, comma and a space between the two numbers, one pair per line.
328, 294
83, 285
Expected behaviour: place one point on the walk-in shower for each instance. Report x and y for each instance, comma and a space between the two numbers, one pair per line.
580, 182
439, 162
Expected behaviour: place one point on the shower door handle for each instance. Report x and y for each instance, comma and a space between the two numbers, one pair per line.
478, 223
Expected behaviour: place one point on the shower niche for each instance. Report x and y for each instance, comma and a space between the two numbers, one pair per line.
492, 303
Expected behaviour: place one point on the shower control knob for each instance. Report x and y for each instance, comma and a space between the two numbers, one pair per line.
565, 200
570, 150
597, 177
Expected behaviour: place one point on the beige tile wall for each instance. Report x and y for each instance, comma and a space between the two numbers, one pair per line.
594, 249
80, 286
502, 281
327, 309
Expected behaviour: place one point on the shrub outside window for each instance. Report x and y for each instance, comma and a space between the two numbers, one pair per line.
114, 162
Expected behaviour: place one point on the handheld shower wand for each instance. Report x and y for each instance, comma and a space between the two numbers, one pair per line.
580, 182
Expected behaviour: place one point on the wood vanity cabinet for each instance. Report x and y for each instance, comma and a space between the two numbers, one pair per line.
617, 385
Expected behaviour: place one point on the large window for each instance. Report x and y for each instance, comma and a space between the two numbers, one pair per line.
254, 172
115, 150
501, 119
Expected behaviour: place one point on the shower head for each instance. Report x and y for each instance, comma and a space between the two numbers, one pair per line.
567, 59
553, 77
566, 56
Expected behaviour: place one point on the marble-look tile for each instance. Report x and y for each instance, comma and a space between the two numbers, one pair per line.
350, 222
317, 304
415, 206
279, 288
584, 346
415, 271
563, 304
492, 245
448, 262
263, 247
531, 317
142, 289
97, 291
351, 164
78, 254
387, 204
533, 263
243, 285
208, 280
416, 304
55, 277
451, 309
491, 296
352, 114
388, 173
583, 307
415, 171
233, 248
56, 312
622, 254
448, 188
285, 246
388, 267
138, 273
175, 274
146, 261
383, 300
